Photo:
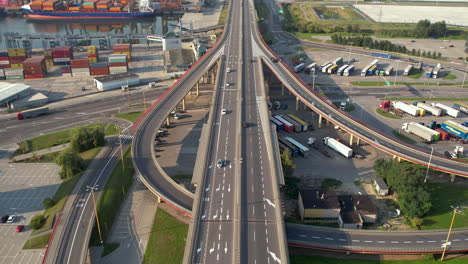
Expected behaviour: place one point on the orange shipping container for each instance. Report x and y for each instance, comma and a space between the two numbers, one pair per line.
115, 8
48, 8
75, 8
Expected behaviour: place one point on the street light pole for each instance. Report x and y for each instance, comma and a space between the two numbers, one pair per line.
464, 75
429, 164
455, 211
144, 100
92, 189
121, 149
396, 73
313, 80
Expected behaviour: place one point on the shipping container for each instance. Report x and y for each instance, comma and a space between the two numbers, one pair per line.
286, 125
455, 129
303, 150
443, 134
304, 124
278, 124
432, 110
338, 147
79, 63
284, 144
297, 126
461, 106
409, 109
447, 109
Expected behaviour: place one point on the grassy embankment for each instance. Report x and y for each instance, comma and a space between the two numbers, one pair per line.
131, 116
386, 114
324, 260
374, 83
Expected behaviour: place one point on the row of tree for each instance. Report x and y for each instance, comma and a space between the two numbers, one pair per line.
368, 42
407, 180
426, 29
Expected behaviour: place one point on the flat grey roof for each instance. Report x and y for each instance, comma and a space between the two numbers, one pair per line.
117, 77
9, 91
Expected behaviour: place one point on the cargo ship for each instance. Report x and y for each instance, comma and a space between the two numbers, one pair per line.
90, 9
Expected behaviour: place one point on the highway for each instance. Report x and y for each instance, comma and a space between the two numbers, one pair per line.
74, 229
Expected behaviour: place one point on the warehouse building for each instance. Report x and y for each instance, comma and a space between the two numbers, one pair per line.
316, 205
116, 81
12, 91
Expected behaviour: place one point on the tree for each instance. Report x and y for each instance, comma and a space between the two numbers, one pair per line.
414, 202
37, 221
287, 163
24, 146
417, 222
70, 163
48, 202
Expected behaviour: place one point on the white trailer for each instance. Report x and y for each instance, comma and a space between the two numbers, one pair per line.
325, 68
408, 69
338, 146
435, 72
303, 149
299, 67
374, 62
348, 70
388, 70
447, 109
409, 109
420, 131
364, 71
432, 110
341, 69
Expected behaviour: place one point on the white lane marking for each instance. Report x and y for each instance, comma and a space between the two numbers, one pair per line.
227, 216
380, 241
368, 241
354, 240
433, 241
275, 258
229, 188
419, 241
407, 242
216, 215
269, 202
394, 242
329, 238
213, 248
316, 237
342, 239
254, 235
219, 187
225, 248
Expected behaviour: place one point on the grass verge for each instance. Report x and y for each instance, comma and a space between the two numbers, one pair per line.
109, 248
167, 240
181, 177
65, 188
111, 129
323, 260
449, 76
386, 114
54, 139
37, 242
443, 196
403, 137
373, 83
131, 116
424, 99
223, 15
112, 197
416, 74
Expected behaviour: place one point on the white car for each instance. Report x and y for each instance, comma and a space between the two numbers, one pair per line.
227, 84
11, 219
219, 164
224, 111
176, 117
228, 69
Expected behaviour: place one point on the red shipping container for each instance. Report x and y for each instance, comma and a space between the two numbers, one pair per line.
111, 64
33, 76
4, 58
17, 59
66, 69
80, 63
100, 71
121, 47
443, 134
92, 55
62, 52
5, 66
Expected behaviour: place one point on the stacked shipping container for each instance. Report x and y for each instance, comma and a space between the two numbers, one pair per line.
62, 55
49, 59
4, 60
123, 49
103, 5
99, 68
34, 68
66, 71
92, 54
118, 63
17, 56
80, 67
13, 74
90, 5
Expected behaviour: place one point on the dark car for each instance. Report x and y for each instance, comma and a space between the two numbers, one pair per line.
413, 40
4, 219
246, 124
451, 46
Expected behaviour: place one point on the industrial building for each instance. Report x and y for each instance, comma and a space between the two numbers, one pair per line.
316, 205
12, 91
30, 101
355, 211
116, 81
380, 186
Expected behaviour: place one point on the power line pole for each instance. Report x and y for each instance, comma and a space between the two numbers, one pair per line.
92, 189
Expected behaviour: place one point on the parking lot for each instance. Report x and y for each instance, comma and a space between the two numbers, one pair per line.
23, 187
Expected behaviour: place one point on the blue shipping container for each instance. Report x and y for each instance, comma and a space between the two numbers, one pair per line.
382, 55
453, 130
278, 124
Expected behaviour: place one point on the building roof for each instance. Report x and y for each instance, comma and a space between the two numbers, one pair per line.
364, 204
319, 199
117, 77
381, 183
351, 217
9, 91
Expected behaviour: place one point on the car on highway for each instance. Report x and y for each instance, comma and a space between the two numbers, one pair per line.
19, 228
176, 117
451, 46
11, 219
228, 70
228, 84
220, 164
246, 124
4, 218
224, 111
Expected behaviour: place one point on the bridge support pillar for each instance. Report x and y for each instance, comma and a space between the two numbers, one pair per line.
320, 121
452, 177
198, 88
351, 139
397, 158
183, 104
297, 103
212, 79
159, 199
168, 122
357, 141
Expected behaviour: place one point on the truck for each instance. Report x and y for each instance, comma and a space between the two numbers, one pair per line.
332, 69
455, 129
382, 55
374, 62
436, 72
421, 131
284, 144
296, 125
304, 124
371, 70
341, 69
418, 66
299, 67
310, 68
388, 70
338, 146
461, 106
408, 70
278, 124
429, 72
364, 71
303, 150
447, 109
348, 70
431, 109
325, 68
32, 113
409, 109
287, 126
338, 61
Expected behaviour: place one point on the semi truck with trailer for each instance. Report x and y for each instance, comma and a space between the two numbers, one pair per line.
408, 70
297, 126
364, 71
409, 109
304, 124
310, 68
325, 68
303, 150
421, 131
278, 124
388, 70
341, 69
287, 126
374, 62
450, 111
338, 146
284, 144
299, 67
32, 113
461, 106
429, 72
382, 55
431, 109
371, 70
348, 71
332, 69
436, 72
455, 129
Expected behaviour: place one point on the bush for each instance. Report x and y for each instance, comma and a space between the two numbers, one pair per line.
37, 221
24, 146
70, 163
48, 202
87, 138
